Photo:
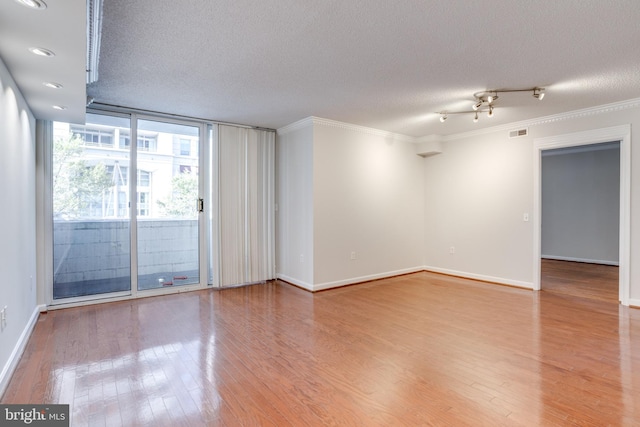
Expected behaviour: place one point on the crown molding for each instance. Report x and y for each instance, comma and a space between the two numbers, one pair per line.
429, 138
569, 115
592, 111
362, 129
318, 121
300, 124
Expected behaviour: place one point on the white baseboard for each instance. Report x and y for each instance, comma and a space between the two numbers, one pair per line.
18, 349
345, 282
354, 280
634, 303
590, 261
466, 275
299, 283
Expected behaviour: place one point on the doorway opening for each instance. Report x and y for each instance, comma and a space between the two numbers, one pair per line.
621, 134
581, 220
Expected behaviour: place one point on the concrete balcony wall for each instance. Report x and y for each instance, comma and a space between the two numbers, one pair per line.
167, 246
90, 250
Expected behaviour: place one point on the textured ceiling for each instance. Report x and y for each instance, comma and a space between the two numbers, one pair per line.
376, 63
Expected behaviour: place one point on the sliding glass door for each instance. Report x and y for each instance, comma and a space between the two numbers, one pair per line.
128, 217
167, 204
100, 182
91, 223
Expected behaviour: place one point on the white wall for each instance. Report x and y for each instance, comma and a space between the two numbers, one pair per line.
17, 223
476, 194
478, 189
581, 203
294, 198
344, 189
368, 199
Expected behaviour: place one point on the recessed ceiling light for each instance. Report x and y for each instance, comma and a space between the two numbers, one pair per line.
41, 51
59, 107
33, 4
52, 85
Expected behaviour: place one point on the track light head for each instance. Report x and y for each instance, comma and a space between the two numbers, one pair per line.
478, 104
538, 93
443, 117
490, 111
475, 119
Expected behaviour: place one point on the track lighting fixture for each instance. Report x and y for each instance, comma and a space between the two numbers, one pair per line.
445, 115
485, 101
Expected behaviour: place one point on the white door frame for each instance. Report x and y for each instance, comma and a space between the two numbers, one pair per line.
597, 136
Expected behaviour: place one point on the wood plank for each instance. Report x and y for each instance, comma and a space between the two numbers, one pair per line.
419, 349
585, 280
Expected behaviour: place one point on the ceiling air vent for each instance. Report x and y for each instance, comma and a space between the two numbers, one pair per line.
518, 133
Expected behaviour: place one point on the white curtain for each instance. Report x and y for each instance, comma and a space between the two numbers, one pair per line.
246, 194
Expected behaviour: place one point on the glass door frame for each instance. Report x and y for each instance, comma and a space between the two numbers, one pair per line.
133, 200
45, 153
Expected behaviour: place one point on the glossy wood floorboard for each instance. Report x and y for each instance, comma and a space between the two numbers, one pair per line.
594, 281
421, 349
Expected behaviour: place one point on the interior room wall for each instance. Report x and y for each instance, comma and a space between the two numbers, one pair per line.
368, 204
350, 204
477, 193
294, 200
17, 222
581, 203
479, 188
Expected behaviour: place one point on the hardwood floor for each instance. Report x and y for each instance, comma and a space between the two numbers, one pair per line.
593, 281
421, 349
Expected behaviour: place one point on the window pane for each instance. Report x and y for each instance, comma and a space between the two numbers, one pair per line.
185, 147
144, 179
167, 215
90, 208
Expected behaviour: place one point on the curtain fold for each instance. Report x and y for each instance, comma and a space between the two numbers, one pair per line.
246, 194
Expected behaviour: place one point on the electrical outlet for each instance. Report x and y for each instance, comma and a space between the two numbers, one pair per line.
525, 217
353, 255
452, 250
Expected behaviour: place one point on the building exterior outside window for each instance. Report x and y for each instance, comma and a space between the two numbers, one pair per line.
109, 147
185, 147
93, 136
